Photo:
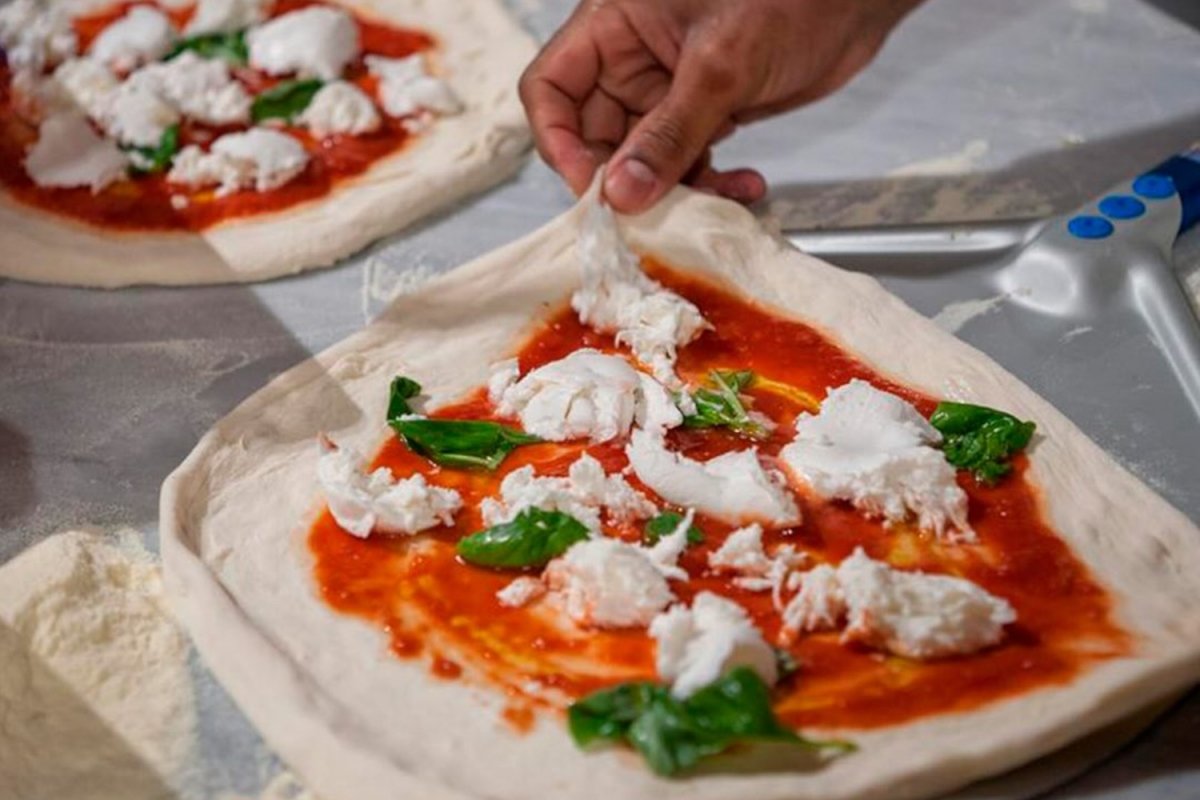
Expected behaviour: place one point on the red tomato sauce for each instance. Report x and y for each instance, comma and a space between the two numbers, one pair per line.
433, 605
145, 203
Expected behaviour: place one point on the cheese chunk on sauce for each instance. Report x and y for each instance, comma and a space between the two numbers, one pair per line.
876, 451
143, 35
68, 153
363, 503
406, 87
313, 42
340, 108
910, 614
733, 487
586, 395
35, 35
259, 158
226, 16
697, 646
583, 493
609, 583
199, 88
618, 298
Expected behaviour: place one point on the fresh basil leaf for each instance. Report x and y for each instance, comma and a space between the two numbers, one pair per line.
666, 523
229, 47
285, 100
980, 439
461, 443
719, 405
450, 442
531, 539
672, 734
402, 390
149, 160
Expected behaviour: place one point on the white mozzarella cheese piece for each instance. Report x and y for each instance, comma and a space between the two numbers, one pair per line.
318, 41
340, 108
618, 298
876, 451
226, 16
363, 503
743, 555
742, 552
406, 87
504, 374
587, 394
733, 487
521, 592
143, 35
608, 583
698, 646
135, 116
819, 604
68, 153
583, 493
34, 35
910, 614
200, 88
258, 158
88, 85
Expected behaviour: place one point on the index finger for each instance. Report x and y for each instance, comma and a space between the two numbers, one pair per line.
553, 90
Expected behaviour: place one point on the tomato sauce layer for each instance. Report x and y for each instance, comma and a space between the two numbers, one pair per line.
146, 202
437, 607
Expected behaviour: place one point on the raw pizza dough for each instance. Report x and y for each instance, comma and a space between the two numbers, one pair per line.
481, 53
358, 723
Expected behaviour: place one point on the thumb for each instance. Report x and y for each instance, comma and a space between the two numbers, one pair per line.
665, 144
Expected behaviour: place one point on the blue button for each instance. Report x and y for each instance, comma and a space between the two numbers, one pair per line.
1154, 186
1122, 206
1088, 227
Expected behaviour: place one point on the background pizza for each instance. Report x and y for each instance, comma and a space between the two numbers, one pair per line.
236, 140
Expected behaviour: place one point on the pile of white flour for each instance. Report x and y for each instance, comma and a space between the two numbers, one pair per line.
95, 695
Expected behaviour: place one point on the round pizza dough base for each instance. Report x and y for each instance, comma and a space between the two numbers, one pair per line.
356, 722
482, 52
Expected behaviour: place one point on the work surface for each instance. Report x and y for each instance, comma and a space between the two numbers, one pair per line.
976, 110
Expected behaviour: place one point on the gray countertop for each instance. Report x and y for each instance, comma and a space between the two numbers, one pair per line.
975, 110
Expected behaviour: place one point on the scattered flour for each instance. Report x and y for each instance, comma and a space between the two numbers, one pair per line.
95, 694
383, 283
1075, 333
954, 316
965, 160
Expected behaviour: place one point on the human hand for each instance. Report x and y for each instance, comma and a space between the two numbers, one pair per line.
651, 85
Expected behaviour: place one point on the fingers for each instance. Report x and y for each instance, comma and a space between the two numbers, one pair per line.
553, 90
744, 186
675, 134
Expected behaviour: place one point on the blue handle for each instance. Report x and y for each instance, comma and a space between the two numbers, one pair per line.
1182, 174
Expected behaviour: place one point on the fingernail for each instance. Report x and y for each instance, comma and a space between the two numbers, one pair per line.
630, 186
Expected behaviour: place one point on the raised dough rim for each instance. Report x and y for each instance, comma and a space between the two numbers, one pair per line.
460, 156
1017, 731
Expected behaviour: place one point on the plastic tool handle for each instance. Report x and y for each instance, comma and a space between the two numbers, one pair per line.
1183, 172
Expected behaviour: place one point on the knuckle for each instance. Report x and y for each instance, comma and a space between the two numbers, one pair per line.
667, 138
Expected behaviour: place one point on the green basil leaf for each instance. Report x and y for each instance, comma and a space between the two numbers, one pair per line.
285, 100
666, 523
673, 735
461, 443
719, 405
230, 47
149, 160
531, 539
450, 442
402, 390
980, 439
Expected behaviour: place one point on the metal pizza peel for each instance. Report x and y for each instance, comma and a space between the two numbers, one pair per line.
1086, 308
